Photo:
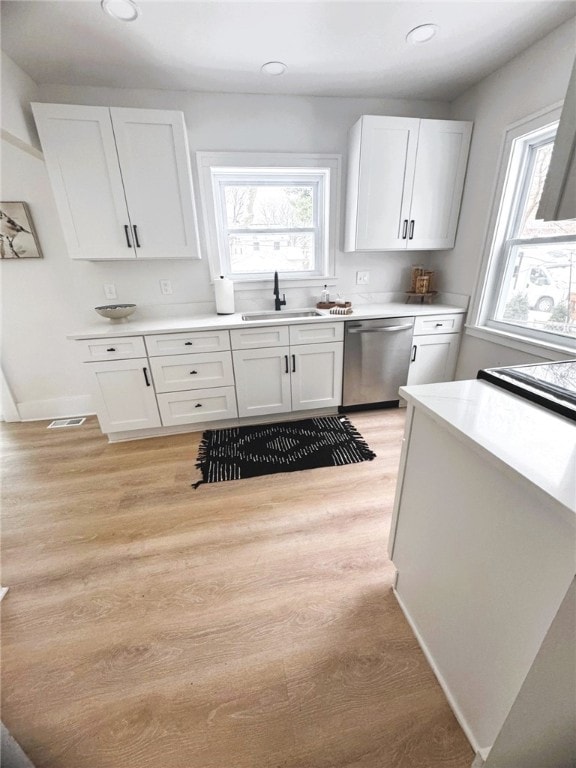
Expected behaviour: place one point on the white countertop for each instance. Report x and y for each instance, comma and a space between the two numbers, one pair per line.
530, 440
134, 326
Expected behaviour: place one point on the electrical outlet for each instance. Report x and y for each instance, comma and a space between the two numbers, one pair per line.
165, 287
110, 291
362, 278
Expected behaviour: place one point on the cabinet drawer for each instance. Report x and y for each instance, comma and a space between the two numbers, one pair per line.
185, 343
126, 347
254, 338
438, 324
200, 405
181, 372
316, 333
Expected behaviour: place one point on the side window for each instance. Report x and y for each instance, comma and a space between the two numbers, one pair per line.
530, 285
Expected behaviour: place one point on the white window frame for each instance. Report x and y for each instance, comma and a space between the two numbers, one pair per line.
493, 263
321, 169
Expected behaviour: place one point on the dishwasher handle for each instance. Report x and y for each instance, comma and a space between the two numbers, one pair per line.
381, 329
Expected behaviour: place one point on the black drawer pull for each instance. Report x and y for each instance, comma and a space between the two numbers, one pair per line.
128, 243
414, 348
293, 363
404, 229
111, 349
411, 235
192, 372
136, 236
198, 405
146, 379
188, 343
287, 369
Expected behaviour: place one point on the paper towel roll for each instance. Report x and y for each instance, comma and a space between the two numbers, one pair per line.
224, 293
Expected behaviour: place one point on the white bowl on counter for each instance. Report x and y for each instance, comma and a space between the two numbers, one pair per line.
116, 311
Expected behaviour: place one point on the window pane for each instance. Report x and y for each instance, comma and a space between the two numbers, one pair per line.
286, 252
528, 225
539, 289
269, 205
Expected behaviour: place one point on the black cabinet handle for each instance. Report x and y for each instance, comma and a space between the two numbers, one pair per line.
188, 343
146, 379
287, 370
293, 363
414, 348
127, 233
136, 236
111, 349
404, 229
411, 235
192, 372
198, 405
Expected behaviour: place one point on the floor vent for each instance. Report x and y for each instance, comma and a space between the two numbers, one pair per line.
67, 423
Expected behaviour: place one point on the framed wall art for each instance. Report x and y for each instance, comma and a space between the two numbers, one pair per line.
17, 236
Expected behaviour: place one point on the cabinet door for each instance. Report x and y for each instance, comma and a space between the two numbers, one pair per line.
316, 371
155, 162
124, 395
438, 182
385, 168
262, 381
81, 160
433, 358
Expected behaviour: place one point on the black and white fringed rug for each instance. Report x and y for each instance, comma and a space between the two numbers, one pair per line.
240, 452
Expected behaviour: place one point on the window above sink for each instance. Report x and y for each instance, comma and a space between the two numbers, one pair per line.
270, 212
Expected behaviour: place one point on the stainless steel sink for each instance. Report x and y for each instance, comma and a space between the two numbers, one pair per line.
287, 314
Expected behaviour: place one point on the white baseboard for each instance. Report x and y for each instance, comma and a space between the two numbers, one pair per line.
482, 751
141, 434
58, 408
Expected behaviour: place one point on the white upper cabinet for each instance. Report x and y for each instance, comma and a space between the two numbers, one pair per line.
121, 180
405, 181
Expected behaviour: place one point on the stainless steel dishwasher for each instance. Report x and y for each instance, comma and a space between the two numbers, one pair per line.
376, 361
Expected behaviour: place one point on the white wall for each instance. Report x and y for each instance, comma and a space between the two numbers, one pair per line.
45, 300
532, 81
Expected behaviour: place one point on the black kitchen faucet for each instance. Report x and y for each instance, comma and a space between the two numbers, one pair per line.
278, 303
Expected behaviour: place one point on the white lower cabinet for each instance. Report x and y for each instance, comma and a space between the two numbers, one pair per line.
316, 375
262, 381
124, 396
433, 358
434, 349
197, 405
193, 387
296, 377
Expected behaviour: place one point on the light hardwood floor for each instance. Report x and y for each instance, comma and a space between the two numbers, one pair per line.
246, 624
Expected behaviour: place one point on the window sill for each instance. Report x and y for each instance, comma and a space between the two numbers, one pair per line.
303, 282
542, 349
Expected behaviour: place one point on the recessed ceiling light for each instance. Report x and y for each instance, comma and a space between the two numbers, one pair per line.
274, 68
422, 34
122, 10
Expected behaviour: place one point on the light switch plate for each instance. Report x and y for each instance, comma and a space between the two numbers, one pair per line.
165, 287
110, 291
362, 278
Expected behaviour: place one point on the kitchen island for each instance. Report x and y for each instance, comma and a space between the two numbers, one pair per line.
484, 541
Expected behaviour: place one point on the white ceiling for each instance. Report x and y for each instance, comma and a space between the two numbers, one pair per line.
332, 48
